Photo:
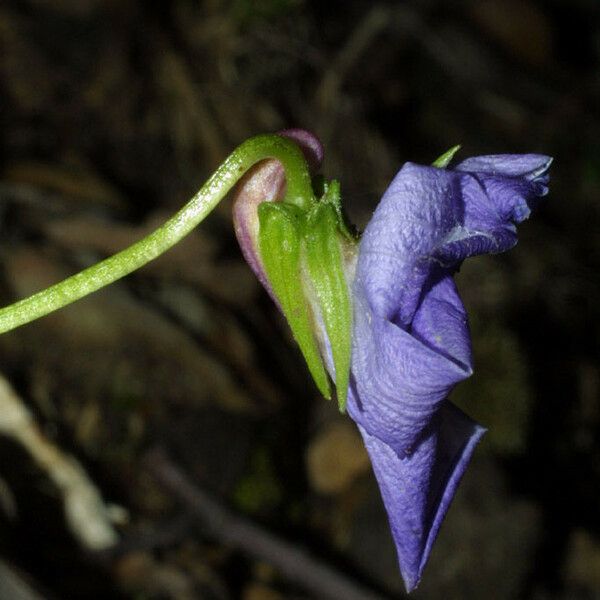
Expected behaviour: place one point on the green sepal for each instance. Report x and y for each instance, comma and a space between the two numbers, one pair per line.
331, 195
324, 259
444, 160
280, 240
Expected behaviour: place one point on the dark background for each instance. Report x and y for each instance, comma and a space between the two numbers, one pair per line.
113, 113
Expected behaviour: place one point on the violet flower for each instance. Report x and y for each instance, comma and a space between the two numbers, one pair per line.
410, 337
411, 341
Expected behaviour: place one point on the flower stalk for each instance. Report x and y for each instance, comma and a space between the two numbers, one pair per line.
299, 193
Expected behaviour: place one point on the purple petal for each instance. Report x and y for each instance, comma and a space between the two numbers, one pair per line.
399, 377
513, 182
529, 166
417, 490
416, 214
431, 215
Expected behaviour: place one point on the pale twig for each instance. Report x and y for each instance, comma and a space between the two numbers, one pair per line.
13, 586
294, 563
86, 514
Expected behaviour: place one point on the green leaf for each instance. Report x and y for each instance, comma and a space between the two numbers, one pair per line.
444, 160
279, 240
322, 247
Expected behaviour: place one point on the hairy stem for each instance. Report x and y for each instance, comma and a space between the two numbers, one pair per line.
73, 288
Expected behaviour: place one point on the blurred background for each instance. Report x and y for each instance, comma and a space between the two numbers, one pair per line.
112, 114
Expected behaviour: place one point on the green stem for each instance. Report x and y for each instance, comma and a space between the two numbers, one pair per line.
299, 192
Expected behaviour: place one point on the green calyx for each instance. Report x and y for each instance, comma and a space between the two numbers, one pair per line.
302, 250
444, 160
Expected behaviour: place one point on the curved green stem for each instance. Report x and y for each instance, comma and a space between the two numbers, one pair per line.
299, 192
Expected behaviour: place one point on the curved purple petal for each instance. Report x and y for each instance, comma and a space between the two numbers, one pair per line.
399, 377
430, 215
528, 166
417, 212
417, 490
